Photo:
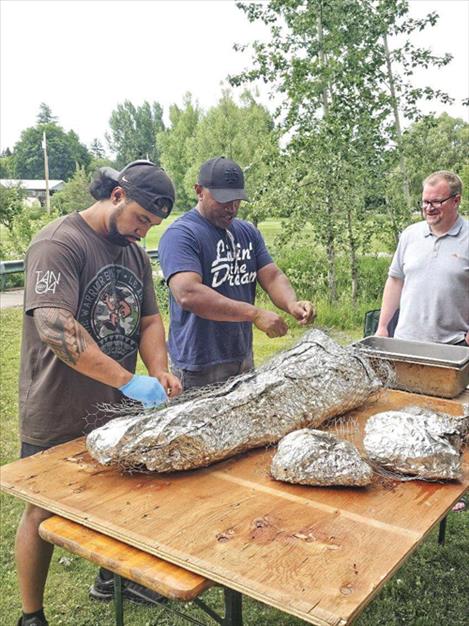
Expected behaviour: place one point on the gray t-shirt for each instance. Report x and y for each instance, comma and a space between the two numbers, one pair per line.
108, 289
434, 303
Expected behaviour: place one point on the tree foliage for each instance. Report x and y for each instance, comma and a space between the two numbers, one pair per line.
45, 115
329, 62
133, 131
74, 196
7, 164
11, 204
435, 143
173, 144
65, 153
97, 149
242, 132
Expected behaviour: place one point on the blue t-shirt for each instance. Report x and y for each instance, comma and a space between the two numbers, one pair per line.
228, 261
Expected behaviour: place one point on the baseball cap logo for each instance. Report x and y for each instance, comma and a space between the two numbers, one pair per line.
231, 176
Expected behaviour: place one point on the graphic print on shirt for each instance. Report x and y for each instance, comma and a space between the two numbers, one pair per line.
230, 263
110, 310
46, 281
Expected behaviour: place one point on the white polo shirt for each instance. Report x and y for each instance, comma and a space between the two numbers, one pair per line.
435, 297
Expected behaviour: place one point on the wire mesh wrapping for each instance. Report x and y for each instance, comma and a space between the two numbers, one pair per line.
302, 386
416, 442
314, 457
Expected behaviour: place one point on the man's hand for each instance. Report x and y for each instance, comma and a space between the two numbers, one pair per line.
146, 390
467, 337
171, 384
270, 323
303, 311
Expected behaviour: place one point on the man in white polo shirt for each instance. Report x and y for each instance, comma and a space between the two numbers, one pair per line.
428, 279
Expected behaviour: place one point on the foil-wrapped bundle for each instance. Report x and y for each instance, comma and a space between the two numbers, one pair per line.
416, 442
303, 386
315, 457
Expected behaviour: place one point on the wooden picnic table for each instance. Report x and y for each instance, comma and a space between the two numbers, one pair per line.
320, 554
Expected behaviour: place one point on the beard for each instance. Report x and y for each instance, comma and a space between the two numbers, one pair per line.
113, 235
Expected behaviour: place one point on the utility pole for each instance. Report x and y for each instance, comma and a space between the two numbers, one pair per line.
46, 170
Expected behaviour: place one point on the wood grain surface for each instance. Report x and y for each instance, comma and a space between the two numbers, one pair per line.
318, 553
147, 570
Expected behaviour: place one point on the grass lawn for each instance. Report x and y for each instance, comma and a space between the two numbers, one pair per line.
432, 588
268, 228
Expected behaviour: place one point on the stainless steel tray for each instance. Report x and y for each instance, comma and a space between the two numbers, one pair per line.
429, 368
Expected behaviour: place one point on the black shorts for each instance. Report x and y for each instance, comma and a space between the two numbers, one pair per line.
28, 449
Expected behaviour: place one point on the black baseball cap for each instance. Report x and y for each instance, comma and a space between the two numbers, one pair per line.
146, 183
224, 178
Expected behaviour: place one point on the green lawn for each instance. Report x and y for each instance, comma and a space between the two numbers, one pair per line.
431, 589
268, 228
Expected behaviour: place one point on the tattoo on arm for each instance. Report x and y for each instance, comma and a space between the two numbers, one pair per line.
62, 333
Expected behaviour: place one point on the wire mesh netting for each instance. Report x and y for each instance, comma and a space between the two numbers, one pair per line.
311, 385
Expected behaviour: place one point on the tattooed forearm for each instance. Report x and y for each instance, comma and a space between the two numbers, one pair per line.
62, 333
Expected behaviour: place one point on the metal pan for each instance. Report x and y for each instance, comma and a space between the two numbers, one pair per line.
428, 368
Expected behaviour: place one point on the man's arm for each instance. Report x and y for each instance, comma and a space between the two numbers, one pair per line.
73, 345
192, 295
391, 299
274, 282
152, 349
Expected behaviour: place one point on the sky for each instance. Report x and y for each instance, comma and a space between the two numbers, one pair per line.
83, 57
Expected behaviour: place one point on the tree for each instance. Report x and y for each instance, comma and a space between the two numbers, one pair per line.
65, 153
434, 143
239, 132
322, 58
74, 196
328, 61
429, 144
97, 149
11, 204
45, 115
133, 132
7, 164
173, 143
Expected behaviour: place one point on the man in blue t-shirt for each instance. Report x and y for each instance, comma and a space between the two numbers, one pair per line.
212, 263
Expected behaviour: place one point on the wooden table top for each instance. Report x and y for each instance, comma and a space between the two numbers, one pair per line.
318, 553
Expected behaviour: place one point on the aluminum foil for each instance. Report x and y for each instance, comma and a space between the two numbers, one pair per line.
304, 386
417, 442
315, 457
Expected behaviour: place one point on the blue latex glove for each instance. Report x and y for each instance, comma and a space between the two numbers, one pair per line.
146, 390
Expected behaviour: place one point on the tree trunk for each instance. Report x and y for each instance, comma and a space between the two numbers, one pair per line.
330, 246
353, 257
397, 126
331, 275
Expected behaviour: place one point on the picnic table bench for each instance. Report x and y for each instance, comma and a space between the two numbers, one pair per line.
124, 561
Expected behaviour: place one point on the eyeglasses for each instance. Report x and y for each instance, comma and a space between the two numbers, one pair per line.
435, 204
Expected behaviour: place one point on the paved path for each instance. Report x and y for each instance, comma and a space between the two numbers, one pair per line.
11, 298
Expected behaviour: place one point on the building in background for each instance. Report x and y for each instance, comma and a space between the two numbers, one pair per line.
35, 189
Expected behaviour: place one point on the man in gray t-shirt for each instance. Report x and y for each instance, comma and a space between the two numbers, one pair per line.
428, 278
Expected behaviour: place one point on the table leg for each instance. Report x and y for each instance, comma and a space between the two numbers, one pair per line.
233, 608
118, 604
442, 531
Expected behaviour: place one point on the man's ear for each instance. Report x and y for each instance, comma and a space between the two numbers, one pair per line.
198, 190
117, 195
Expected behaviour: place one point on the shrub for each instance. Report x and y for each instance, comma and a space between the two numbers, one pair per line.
24, 226
306, 268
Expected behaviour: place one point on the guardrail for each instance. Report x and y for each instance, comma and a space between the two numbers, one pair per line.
153, 254
15, 267
9, 267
